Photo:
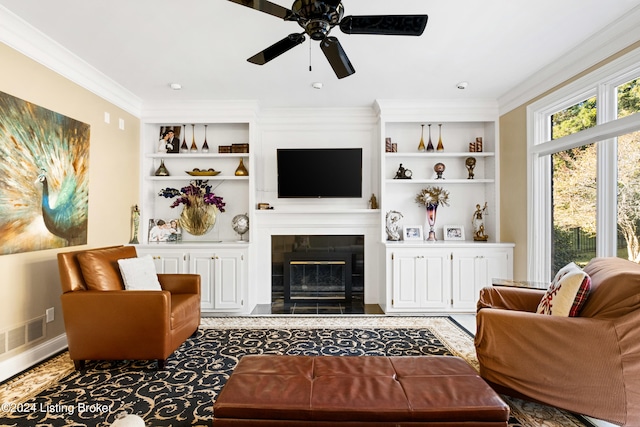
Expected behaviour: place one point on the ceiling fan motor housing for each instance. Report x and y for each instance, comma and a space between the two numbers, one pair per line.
317, 17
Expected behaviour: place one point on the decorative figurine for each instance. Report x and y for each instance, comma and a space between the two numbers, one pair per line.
470, 163
135, 220
477, 221
392, 226
439, 169
373, 202
403, 173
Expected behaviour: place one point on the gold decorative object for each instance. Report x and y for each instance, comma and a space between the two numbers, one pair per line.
205, 145
183, 147
470, 163
198, 218
194, 147
373, 202
440, 145
421, 146
198, 172
241, 170
162, 169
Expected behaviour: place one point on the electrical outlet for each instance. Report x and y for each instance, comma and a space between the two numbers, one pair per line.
50, 314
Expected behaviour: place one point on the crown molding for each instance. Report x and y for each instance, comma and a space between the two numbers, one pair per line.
24, 38
617, 36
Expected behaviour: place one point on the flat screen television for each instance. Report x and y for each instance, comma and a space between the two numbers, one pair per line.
319, 172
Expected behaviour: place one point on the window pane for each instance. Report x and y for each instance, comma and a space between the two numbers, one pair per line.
628, 98
574, 119
629, 196
574, 206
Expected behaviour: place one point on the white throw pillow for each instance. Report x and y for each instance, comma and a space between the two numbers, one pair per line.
139, 274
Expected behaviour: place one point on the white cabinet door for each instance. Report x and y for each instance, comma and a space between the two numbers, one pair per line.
228, 280
420, 279
203, 263
167, 262
473, 270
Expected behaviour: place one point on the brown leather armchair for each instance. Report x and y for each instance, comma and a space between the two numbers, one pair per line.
588, 364
103, 321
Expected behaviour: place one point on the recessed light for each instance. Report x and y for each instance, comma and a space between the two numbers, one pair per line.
316, 85
175, 86
462, 85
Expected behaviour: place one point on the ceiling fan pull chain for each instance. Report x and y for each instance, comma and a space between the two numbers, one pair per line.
310, 57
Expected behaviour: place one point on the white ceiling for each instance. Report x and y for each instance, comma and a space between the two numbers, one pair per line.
494, 45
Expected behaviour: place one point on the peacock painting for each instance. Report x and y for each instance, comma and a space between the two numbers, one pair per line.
44, 178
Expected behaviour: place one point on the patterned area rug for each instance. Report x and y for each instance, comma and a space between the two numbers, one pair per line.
53, 394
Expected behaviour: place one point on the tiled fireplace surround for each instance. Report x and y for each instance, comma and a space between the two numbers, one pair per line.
361, 223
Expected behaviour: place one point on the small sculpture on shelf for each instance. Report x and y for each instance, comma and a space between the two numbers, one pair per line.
135, 222
392, 225
403, 173
477, 221
373, 202
470, 163
439, 169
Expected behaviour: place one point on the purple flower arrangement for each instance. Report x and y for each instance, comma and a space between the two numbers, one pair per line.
195, 193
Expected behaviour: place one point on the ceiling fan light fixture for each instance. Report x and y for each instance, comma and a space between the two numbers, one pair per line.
317, 85
175, 86
462, 85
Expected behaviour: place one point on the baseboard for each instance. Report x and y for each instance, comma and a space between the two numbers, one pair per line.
25, 360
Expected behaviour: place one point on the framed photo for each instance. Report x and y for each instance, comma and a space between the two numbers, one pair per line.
169, 141
412, 232
164, 231
453, 232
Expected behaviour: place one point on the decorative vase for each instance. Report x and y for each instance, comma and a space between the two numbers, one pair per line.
194, 146
198, 218
205, 145
440, 145
421, 147
241, 170
162, 169
430, 144
183, 147
432, 208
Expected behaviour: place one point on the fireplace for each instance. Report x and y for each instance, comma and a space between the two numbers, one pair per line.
317, 269
317, 276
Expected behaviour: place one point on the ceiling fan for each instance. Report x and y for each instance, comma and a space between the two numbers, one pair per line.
318, 17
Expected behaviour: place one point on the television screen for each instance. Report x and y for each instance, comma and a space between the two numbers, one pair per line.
319, 172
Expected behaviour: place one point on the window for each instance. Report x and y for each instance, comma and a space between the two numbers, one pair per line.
571, 120
584, 174
628, 98
629, 197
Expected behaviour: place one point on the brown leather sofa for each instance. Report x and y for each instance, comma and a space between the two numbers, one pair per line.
588, 364
103, 321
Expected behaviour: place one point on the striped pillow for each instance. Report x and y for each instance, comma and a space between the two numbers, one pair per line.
567, 293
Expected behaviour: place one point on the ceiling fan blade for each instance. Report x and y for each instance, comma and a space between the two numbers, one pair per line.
394, 25
277, 49
337, 57
267, 7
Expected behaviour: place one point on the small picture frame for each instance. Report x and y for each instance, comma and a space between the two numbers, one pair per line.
412, 232
164, 230
453, 232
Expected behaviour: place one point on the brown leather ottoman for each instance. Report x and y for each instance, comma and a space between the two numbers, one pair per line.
269, 390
